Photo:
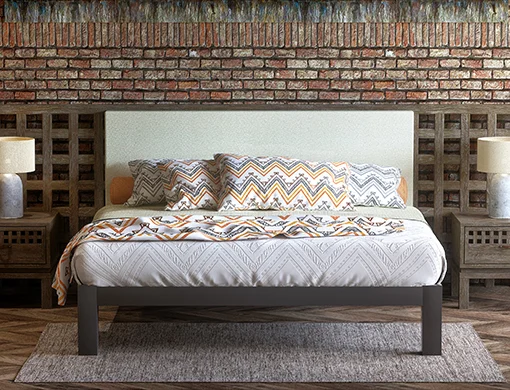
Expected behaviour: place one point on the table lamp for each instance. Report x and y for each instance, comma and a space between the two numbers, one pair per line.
494, 158
17, 155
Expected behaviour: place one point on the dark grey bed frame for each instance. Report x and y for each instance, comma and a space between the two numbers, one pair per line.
91, 297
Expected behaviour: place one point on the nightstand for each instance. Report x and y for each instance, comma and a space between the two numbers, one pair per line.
29, 249
481, 250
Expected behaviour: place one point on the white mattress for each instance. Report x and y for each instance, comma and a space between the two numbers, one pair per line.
411, 258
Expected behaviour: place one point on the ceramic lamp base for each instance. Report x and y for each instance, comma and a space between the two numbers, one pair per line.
499, 195
11, 196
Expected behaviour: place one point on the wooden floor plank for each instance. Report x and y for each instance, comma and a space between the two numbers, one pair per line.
489, 313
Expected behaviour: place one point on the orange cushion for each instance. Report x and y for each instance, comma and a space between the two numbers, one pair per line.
402, 189
121, 189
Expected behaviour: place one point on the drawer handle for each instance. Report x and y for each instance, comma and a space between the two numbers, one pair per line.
504, 246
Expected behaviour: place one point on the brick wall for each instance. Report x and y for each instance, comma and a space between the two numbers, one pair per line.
340, 63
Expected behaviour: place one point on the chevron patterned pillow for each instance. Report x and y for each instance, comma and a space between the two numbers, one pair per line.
374, 185
191, 184
148, 186
279, 183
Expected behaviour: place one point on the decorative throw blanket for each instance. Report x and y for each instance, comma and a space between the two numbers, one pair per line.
216, 228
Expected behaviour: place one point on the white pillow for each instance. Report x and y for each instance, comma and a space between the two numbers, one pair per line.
280, 183
191, 184
374, 185
148, 186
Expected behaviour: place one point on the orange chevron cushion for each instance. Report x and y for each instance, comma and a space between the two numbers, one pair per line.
191, 184
280, 183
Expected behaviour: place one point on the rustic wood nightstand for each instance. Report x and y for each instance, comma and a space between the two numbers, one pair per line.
29, 249
481, 250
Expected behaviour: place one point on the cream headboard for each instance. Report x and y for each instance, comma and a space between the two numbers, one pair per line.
380, 137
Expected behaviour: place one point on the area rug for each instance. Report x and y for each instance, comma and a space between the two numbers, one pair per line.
260, 352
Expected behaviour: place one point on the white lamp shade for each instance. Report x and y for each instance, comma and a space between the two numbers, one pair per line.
17, 154
494, 154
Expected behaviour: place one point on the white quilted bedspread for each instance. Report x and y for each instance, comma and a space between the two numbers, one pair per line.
410, 258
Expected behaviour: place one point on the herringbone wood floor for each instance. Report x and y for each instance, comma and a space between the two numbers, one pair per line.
20, 329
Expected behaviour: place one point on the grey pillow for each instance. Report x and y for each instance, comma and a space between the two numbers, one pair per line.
148, 186
374, 185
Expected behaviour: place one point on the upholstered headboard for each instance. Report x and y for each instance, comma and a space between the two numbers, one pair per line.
380, 137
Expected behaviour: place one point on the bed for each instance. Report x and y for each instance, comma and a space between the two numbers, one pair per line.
402, 269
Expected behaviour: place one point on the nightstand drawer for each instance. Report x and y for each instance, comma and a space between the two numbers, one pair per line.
22, 246
487, 245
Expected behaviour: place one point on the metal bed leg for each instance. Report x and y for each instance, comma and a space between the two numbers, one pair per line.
431, 320
88, 321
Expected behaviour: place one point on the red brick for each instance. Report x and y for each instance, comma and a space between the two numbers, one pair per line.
307, 95
253, 63
19, 84
145, 84
166, 85
363, 64
329, 74
154, 95
285, 95
438, 95
481, 95
79, 84
82, 64
34, 64
88, 74
450, 63
111, 95
350, 96
481, 74
297, 84
285, 74
110, 53
263, 95
276, 63
460, 95
253, 84
101, 84
242, 95
199, 95
325, 95
306, 53
122, 84
395, 95
318, 84
263, 53
501, 53
384, 85
428, 63
363, 85
132, 95
58, 63
177, 96
415, 95
341, 84
372, 95
221, 95
67, 52
493, 84
24, 95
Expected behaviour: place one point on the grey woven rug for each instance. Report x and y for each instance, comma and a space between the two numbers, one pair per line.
260, 352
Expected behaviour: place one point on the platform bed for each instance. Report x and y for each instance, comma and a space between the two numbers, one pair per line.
359, 136
428, 297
